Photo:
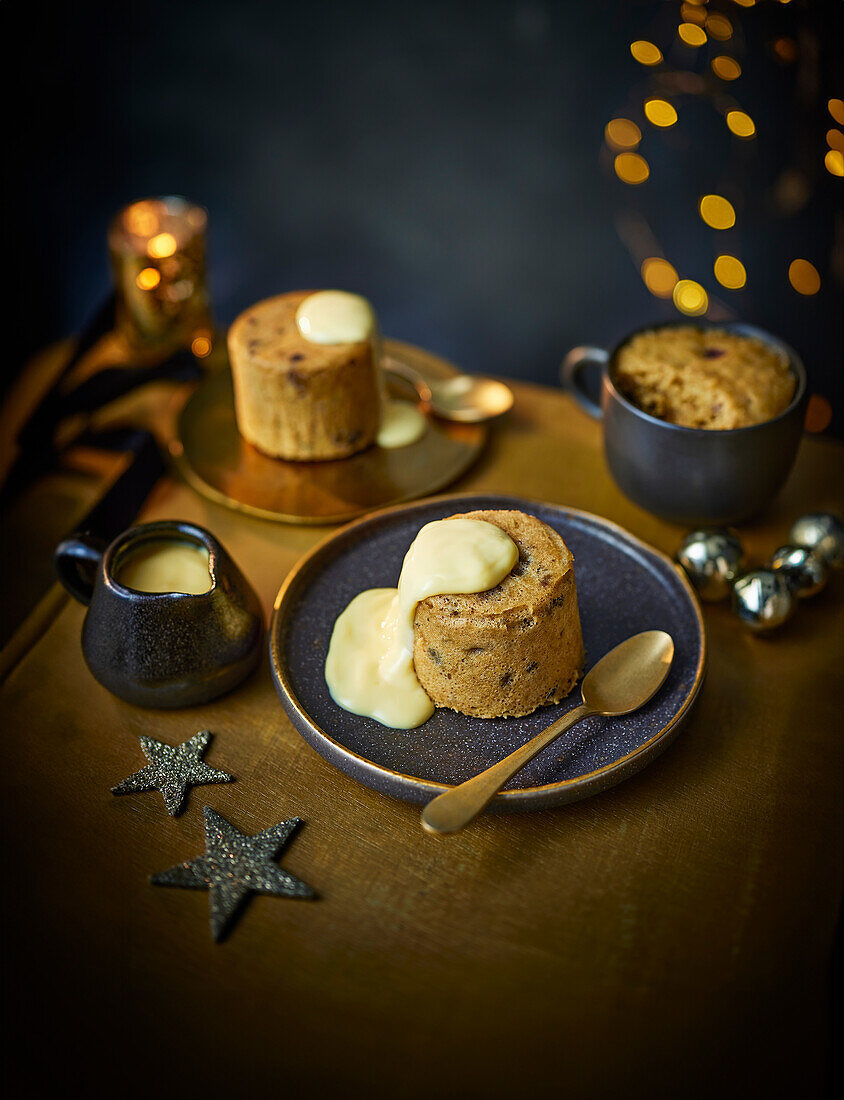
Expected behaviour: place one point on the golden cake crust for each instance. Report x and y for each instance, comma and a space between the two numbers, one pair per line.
704, 378
296, 399
514, 648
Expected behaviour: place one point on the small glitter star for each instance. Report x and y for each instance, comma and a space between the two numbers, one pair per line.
234, 866
172, 769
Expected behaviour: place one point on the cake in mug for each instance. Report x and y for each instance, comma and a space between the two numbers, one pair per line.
704, 377
511, 649
306, 397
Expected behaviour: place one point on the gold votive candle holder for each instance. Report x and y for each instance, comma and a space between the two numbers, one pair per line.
157, 251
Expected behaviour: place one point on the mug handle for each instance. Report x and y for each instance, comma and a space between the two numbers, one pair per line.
570, 374
76, 560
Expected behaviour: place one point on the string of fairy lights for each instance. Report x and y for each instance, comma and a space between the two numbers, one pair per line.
699, 29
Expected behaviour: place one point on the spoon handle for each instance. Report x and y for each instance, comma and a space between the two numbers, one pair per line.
410, 375
455, 808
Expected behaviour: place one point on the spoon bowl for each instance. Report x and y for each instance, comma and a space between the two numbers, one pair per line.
629, 675
622, 681
465, 398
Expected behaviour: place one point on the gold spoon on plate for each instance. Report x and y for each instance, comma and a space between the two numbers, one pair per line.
466, 398
622, 681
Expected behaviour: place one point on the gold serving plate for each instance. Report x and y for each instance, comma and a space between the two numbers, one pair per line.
215, 459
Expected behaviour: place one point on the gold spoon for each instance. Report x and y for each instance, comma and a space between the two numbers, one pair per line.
622, 681
468, 398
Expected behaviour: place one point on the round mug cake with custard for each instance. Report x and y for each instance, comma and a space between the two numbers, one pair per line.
305, 397
484, 621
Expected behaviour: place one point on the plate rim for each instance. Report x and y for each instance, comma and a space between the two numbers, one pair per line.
398, 348
559, 792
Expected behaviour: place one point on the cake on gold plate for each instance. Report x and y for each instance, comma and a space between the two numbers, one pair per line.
306, 397
516, 647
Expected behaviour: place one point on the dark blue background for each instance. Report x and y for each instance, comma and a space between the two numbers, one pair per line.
445, 159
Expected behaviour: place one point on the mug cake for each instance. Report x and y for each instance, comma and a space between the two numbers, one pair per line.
704, 377
305, 372
484, 621
510, 649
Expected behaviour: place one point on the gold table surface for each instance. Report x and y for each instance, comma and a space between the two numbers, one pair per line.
671, 936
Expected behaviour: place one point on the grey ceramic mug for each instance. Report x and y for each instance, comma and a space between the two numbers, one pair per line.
162, 649
691, 475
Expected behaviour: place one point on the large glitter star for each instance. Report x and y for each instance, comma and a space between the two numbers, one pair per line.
234, 866
173, 769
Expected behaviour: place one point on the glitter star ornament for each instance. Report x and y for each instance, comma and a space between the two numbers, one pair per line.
173, 770
234, 866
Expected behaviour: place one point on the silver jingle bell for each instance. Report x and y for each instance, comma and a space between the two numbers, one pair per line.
822, 532
804, 569
713, 558
762, 599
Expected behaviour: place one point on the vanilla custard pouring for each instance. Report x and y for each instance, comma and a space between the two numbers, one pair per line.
369, 669
167, 566
338, 317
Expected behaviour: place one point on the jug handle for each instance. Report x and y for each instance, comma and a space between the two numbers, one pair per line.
76, 560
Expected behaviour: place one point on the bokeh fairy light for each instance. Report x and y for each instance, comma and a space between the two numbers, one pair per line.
804, 277
699, 56
730, 272
719, 27
690, 298
621, 133
692, 12
785, 50
660, 112
692, 34
659, 277
741, 124
646, 53
726, 67
632, 168
700, 27
717, 212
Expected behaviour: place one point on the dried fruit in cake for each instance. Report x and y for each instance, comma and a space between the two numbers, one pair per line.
296, 398
513, 648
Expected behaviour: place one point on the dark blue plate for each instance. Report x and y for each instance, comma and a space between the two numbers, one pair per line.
623, 587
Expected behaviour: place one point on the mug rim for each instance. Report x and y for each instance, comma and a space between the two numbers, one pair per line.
157, 531
742, 328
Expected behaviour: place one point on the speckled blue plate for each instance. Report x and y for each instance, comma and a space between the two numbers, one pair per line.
623, 587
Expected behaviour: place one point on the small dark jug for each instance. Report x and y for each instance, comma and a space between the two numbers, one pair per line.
162, 649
